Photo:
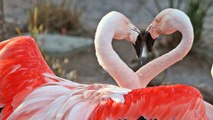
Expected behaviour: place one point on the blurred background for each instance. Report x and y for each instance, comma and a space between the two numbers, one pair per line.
65, 29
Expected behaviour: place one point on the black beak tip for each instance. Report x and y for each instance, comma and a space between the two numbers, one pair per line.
143, 37
149, 41
139, 45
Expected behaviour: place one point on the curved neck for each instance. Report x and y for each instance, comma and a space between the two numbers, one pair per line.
110, 61
153, 68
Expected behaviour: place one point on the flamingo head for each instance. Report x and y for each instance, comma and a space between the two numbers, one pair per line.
166, 22
122, 29
126, 30
135, 37
132, 34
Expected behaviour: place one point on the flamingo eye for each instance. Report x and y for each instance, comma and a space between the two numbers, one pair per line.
157, 20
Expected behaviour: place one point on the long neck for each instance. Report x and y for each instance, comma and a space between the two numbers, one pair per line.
111, 62
153, 68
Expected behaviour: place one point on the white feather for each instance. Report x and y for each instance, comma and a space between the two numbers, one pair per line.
60, 100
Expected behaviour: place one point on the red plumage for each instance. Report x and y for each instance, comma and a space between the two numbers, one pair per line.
21, 65
162, 103
21, 72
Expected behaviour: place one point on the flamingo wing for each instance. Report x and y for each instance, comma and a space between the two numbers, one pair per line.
177, 102
21, 69
61, 101
58, 101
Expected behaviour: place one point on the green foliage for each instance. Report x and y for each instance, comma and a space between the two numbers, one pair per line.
197, 11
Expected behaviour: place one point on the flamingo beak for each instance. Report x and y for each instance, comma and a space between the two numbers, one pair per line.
149, 41
139, 45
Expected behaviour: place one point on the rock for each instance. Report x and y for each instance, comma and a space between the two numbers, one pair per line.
55, 43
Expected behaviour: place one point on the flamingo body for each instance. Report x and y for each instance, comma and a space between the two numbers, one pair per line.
30, 90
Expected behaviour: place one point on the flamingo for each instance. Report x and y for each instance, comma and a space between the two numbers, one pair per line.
167, 22
30, 90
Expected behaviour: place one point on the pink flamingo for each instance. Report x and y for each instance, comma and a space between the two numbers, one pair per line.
30, 90
168, 22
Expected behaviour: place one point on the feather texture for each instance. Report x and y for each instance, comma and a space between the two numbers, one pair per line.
21, 68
